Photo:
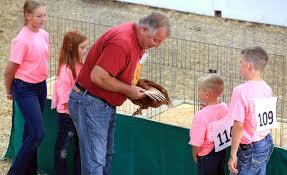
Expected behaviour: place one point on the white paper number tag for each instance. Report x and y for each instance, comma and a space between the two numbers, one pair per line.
265, 113
221, 133
143, 58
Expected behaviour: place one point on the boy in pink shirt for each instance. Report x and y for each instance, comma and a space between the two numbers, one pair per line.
72, 55
209, 162
250, 149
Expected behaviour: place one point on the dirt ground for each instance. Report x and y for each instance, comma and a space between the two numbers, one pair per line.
8, 28
185, 26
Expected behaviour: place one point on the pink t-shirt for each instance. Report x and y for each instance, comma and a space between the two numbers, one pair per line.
62, 88
201, 130
31, 51
242, 109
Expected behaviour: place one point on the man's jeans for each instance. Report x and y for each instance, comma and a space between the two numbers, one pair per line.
94, 120
30, 99
253, 160
66, 133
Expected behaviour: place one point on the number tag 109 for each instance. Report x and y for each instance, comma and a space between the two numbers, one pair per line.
221, 133
265, 113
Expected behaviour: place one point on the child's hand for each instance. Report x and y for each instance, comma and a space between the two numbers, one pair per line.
195, 157
10, 97
195, 151
232, 165
66, 106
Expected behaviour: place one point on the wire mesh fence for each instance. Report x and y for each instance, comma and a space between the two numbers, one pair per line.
194, 47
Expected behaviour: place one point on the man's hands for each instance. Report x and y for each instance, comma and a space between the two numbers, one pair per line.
136, 92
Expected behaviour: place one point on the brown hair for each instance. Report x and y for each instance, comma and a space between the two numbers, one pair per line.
212, 82
69, 54
30, 6
255, 55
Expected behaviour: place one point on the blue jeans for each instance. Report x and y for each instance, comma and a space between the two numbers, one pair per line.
212, 163
252, 160
66, 133
30, 99
94, 120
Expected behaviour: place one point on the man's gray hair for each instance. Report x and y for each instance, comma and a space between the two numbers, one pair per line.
155, 20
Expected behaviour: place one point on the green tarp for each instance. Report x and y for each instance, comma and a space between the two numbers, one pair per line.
46, 150
141, 147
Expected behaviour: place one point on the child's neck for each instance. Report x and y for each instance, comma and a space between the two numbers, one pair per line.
253, 76
33, 29
212, 102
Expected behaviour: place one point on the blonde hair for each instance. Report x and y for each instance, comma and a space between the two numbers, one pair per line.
212, 82
29, 7
255, 55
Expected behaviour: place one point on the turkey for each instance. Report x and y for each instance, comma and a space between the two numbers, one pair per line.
156, 96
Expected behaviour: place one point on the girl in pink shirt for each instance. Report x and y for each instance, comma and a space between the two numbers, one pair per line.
25, 75
209, 162
250, 149
72, 54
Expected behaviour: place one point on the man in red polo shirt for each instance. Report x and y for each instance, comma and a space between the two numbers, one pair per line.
105, 82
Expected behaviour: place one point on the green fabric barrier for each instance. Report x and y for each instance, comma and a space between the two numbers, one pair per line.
144, 147
46, 149
141, 147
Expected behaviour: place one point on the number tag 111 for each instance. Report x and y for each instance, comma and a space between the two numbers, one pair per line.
265, 113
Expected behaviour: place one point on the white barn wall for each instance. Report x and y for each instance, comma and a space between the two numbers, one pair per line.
261, 11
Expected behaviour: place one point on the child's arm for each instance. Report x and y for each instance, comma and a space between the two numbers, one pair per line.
197, 134
9, 76
237, 131
65, 81
195, 151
